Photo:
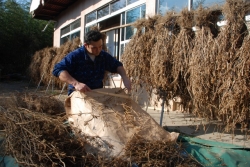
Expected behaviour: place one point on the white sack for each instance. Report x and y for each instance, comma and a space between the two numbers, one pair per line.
114, 120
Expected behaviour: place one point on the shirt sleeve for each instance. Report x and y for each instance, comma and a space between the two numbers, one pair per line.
111, 63
66, 64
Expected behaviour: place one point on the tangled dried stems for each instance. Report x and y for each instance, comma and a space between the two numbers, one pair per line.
43, 62
182, 48
209, 67
36, 137
202, 64
161, 59
139, 63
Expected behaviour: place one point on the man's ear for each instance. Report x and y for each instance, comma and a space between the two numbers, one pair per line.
85, 44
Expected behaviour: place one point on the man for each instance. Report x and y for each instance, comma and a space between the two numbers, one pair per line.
84, 68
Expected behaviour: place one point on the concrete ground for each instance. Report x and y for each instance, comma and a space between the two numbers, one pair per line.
187, 124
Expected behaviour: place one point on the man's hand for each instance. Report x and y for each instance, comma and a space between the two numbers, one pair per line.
81, 87
127, 83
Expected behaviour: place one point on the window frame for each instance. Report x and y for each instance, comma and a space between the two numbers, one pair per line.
71, 31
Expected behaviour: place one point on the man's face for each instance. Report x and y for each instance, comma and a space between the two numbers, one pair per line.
94, 48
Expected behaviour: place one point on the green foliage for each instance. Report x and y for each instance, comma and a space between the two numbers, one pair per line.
20, 36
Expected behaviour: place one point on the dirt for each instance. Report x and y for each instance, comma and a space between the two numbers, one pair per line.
10, 87
7, 87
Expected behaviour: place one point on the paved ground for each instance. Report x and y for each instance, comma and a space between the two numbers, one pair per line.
187, 124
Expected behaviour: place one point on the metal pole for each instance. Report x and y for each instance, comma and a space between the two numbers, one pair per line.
162, 111
62, 90
150, 94
52, 89
112, 80
48, 86
39, 82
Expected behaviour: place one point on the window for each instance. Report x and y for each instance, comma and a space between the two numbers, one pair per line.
103, 12
167, 5
132, 16
70, 31
122, 48
65, 30
131, 1
128, 17
117, 5
91, 17
75, 24
207, 3
108, 9
177, 5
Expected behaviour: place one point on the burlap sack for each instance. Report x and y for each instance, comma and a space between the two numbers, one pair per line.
114, 118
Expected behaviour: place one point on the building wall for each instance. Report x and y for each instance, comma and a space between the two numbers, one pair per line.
77, 10
80, 9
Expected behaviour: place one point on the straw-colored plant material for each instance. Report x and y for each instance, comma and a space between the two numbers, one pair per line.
202, 66
131, 57
137, 57
161, 59
230, 83
181, 53
161, 62
35, 137
210, 66
43, 62
162, 154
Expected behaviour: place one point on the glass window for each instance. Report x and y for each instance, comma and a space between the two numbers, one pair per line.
91, 17
122, 34
65, 30
133, 15
131, 1
117, 5
207, 3
65, 39
103, 12
122, 48
129, 32
167, 5
68, 31
123, 18
143, 11
74, 35
76, 24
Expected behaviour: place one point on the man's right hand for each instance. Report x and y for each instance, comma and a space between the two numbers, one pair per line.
81, 87
66, 77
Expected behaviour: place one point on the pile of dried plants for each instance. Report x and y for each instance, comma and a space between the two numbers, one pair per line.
37, 136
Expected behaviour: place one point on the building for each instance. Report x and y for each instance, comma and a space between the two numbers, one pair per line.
73, 18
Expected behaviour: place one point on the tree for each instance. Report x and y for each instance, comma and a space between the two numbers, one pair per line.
20, 36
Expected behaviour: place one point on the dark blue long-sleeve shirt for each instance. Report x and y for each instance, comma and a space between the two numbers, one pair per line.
80, 66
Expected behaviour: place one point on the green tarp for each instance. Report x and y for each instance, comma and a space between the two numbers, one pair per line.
6, 161
213, 154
